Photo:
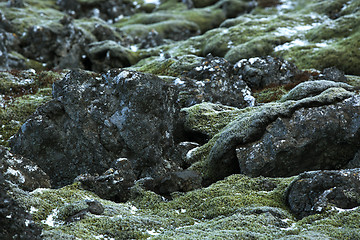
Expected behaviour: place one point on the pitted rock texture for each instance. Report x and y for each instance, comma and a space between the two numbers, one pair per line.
22, 172
114, 184
314, 192
214, 81
251, 125
15, 222
325, 137
94, 120
259, 73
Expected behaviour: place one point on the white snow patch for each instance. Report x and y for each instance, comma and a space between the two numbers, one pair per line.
199, 68
50, 220
286, 46
16, 173
103, 237
133, 48
156, 2
31, 168
27, 222
248, 97
344, 210
33, 210
152, 232
133, 209
178, 81
190, 153
39, 190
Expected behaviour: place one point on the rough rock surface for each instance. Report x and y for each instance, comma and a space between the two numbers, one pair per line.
114, 184
251, 124
313, 192
273, 64
259, 73
325, 137
214, 80
95, 120
15, 222
22, 172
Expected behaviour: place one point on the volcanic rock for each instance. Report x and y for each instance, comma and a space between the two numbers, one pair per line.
94, 120
314, 192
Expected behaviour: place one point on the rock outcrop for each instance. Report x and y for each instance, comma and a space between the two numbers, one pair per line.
192, 119
314, 192
15, 222
93, 120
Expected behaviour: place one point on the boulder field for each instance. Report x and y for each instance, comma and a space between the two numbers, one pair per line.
230, 119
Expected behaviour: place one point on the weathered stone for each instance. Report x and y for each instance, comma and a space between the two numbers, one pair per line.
3, 54
259, 73
325, 137
109, 54
78, 210
317, 191
114, 184
250, 125
22, 172
312, 88
94, 120
214, 81
181, 181
15, 222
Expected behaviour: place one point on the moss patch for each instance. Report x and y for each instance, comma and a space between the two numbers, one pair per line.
21, 93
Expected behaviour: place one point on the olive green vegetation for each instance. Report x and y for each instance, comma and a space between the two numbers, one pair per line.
235, 197
247, 124
21, 93
238, 206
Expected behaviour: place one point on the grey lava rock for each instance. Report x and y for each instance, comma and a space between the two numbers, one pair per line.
15, 223
312, 88
114, 184
214, 81
324, 137
22, 172
94, 120
3, 53
252, 125
180, 181
334, 74
78, 210
260, 73
314, 192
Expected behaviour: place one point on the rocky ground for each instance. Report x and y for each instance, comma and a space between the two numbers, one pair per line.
169, 119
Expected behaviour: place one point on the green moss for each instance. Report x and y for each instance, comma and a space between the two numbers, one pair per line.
270, 94
15, 114
24, 18
205, 19
353, 80
337, 224
209, 118
24, 92
156, 66
341, 53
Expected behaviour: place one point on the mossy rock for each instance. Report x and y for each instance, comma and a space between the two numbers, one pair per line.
339, 53
205, 19
167, 67
209, 118
24, 92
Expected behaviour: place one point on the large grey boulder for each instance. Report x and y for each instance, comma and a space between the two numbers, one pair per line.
94, 120
251, 129
324, 137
